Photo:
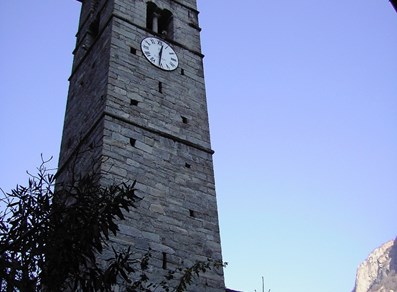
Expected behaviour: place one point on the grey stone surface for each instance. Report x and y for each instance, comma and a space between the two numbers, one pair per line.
378, 273
148, 141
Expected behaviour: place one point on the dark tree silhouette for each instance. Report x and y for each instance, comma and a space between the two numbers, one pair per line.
52, 241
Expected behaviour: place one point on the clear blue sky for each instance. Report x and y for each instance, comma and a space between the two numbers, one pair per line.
302, 98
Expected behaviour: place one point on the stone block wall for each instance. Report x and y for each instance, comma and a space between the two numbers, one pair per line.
145, 124
178, 213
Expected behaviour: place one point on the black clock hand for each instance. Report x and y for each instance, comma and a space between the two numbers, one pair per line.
160, 54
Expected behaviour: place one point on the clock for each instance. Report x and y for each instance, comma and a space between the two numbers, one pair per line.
159, 53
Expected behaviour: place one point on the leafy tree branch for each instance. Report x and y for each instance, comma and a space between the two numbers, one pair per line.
52, 238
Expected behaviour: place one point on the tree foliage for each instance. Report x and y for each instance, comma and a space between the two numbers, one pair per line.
51, 241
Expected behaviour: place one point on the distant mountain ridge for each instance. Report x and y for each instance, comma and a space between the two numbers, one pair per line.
378, 273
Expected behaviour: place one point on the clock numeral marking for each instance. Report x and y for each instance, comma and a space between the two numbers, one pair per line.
159, 53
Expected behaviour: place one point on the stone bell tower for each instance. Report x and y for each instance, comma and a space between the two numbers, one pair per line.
136, 110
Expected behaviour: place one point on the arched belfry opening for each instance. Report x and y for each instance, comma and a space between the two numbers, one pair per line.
159, 20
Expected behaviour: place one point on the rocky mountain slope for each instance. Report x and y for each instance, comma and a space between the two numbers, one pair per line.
378, 273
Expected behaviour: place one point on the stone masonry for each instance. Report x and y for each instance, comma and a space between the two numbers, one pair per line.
129, 120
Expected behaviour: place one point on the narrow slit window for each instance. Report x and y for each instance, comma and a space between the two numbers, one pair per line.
185, 120
187, 165
164, 260
182, 71
160, 87
134, 102
192, 213
132, 142
132, 50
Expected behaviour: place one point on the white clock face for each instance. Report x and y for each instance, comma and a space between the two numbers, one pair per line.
159, 53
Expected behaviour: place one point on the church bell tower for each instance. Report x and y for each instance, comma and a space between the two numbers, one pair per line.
136, 110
